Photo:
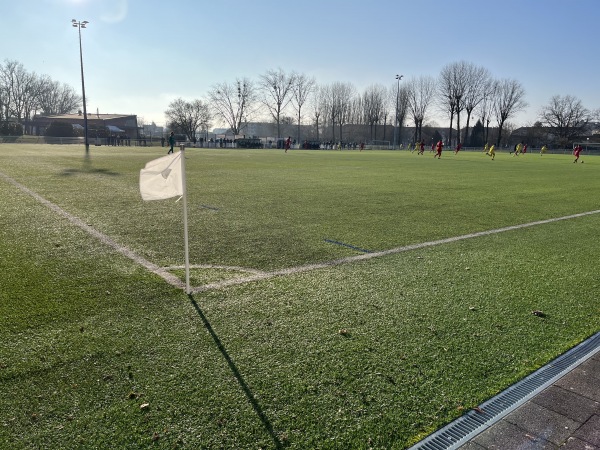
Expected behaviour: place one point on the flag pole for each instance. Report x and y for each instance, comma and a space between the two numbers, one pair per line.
185, 222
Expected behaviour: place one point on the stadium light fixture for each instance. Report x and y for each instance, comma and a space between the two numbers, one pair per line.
79, 26
398, 78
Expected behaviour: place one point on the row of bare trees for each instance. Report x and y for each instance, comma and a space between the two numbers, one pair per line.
462, 90
24, 94
290, 97
465, 88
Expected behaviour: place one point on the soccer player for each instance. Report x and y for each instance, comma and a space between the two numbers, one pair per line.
543, 150
486, 148
421, 148
492, 151
438, 148
525, 149
518, 149
458, 147
287, 144
576, 152
171, 142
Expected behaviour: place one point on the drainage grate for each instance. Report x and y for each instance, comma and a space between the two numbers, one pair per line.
471, 424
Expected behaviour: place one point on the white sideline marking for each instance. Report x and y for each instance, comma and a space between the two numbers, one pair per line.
168, 277
365, 256
260, 275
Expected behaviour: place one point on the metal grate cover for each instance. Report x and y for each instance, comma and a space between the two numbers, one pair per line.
471, 424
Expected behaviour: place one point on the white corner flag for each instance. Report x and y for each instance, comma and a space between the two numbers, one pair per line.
164, 178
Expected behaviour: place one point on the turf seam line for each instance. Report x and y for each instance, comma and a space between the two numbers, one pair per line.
213, 208
367, 256
168, 277
343, 244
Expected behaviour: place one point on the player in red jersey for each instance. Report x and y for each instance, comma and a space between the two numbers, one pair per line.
576, 152
438, 148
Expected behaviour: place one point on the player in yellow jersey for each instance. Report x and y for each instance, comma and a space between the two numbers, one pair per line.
518, 149
543, 150
486, 148
492, 151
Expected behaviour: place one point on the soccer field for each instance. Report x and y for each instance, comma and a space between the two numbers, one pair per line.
341, 299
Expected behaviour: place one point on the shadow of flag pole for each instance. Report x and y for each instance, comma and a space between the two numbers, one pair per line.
185, 221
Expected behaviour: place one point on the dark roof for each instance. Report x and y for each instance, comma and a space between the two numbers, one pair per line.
80, 116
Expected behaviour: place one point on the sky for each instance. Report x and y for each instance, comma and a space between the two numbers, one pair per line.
139, 55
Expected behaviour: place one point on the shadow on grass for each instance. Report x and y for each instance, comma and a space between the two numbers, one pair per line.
88, 170
264, 419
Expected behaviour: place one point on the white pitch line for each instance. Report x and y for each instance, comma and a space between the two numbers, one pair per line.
366, 256
259, 275
219, 267
168, 277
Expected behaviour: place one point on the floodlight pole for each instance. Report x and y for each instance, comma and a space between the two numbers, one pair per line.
398, 77
79, 26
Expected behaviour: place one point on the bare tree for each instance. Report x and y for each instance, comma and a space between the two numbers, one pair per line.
188, 117
329, 107
566, 117
398, 101
233, 103
479, 79
4, 98
23, 93
19, 88
32, 105
453, 86
509, 99
277, 87
358, 113
373, 107
486, 106
57, 98
316, 104
342, 95
336, 101
421, 92
3, 103
301, 90
446, 98
387, 109
7, 76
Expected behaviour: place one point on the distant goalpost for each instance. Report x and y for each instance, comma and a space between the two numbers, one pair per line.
380, 145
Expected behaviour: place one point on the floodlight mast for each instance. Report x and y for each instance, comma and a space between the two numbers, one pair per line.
79, 26
398, 77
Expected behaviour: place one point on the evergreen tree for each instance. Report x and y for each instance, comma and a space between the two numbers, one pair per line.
60, 129
477, 135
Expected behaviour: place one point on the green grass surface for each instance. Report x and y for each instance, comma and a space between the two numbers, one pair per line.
369, 354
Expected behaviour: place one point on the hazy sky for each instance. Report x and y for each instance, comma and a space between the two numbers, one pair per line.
141, 54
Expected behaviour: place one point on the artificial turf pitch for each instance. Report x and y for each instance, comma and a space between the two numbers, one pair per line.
98, 352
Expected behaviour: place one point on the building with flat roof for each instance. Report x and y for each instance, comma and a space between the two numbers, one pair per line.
111, 124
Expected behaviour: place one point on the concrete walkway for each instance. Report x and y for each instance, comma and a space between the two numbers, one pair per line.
566, 416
